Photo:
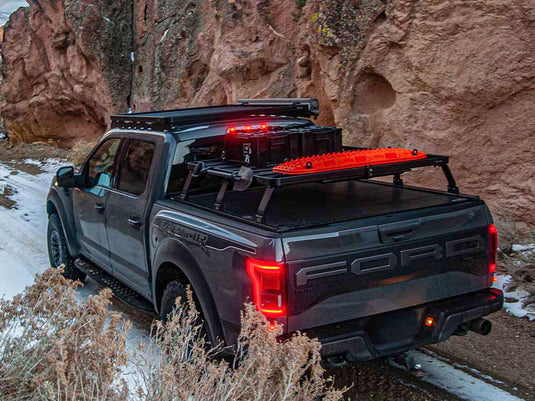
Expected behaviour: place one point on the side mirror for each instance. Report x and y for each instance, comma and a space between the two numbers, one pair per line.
65, 177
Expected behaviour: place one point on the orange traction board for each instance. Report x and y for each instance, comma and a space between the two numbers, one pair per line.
346, 160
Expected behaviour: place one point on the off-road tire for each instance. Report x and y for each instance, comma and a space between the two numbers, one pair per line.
58, 254
174, 290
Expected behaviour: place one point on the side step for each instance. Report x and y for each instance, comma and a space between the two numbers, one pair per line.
120, 290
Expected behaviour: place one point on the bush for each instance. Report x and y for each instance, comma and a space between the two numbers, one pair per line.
53, 346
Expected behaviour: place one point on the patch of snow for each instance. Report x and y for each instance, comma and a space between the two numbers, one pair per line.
107, 19
164, 35
458, 382
466, 368
514, 300
2, 135
48, 165
23, 251
132, 57
523, 248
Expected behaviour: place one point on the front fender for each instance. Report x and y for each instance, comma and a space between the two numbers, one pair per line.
62, 205
173, 251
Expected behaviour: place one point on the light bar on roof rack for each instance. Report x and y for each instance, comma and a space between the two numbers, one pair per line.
312, 103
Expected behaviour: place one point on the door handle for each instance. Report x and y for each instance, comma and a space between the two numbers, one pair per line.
99, 207
134, 222
398, 231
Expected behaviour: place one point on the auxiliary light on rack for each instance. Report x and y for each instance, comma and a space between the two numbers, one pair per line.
247, 129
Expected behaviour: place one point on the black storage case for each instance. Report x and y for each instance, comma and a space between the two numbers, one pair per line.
319, 140
261, 148
276, 146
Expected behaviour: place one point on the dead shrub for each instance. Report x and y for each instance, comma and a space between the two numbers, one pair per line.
52, 346
178, 365
55, 347
507, 233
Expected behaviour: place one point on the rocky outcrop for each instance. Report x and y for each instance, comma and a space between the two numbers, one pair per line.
445, 76
66, 65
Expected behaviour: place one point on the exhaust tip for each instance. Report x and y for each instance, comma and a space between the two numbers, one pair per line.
480, 326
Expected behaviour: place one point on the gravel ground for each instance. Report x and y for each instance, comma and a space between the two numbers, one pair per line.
507, 353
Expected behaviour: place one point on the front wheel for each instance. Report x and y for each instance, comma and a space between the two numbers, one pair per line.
58, 254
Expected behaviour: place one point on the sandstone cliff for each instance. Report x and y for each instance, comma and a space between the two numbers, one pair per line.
445, 76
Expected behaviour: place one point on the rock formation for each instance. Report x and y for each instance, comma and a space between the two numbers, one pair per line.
445, 76
66, 65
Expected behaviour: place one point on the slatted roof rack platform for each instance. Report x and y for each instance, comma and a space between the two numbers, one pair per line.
229, 173
173, 119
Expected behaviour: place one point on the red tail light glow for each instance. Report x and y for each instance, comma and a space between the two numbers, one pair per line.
269, 286
493, 248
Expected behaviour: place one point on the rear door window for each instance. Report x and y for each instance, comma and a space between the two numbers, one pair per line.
135, 167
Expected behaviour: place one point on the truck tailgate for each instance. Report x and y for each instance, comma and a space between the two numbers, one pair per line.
356, 269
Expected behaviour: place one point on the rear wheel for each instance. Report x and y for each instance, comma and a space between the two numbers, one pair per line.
174, 290
58, 254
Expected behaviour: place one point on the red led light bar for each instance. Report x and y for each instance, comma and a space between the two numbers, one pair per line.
347, 159
269, 286
247, 128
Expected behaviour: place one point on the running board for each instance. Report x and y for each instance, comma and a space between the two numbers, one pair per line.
120, 290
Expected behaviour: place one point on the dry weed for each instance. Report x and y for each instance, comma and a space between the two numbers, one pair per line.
55, 347
179, 365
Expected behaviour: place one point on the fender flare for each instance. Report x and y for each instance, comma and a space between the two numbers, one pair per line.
171, 251
54, 203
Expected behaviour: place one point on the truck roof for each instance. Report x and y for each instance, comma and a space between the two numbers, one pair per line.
172, 120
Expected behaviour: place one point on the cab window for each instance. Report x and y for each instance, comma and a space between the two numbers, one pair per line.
101, 165
135, 168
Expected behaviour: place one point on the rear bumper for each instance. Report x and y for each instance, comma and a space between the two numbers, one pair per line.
394, 332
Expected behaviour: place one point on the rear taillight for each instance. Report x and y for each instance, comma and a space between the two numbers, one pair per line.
269, 286
493, 248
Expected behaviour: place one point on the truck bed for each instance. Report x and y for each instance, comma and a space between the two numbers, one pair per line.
316, 204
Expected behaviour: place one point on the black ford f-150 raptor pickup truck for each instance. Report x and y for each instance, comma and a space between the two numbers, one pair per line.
200, 197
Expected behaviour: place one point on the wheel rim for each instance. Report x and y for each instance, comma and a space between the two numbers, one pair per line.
56, 251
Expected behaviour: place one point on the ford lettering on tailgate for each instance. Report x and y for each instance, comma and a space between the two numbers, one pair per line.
388, 261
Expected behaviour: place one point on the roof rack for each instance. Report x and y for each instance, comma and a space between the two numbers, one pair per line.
172, 119
230, 172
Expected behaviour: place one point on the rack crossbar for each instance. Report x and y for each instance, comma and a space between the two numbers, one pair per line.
228, 172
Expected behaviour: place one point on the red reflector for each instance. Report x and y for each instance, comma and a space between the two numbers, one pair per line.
493, 248
248, 128
269, 287
494, 279
429, 321
347, 159
264, 126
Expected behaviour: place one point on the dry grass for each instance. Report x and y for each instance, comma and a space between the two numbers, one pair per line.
54, 347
